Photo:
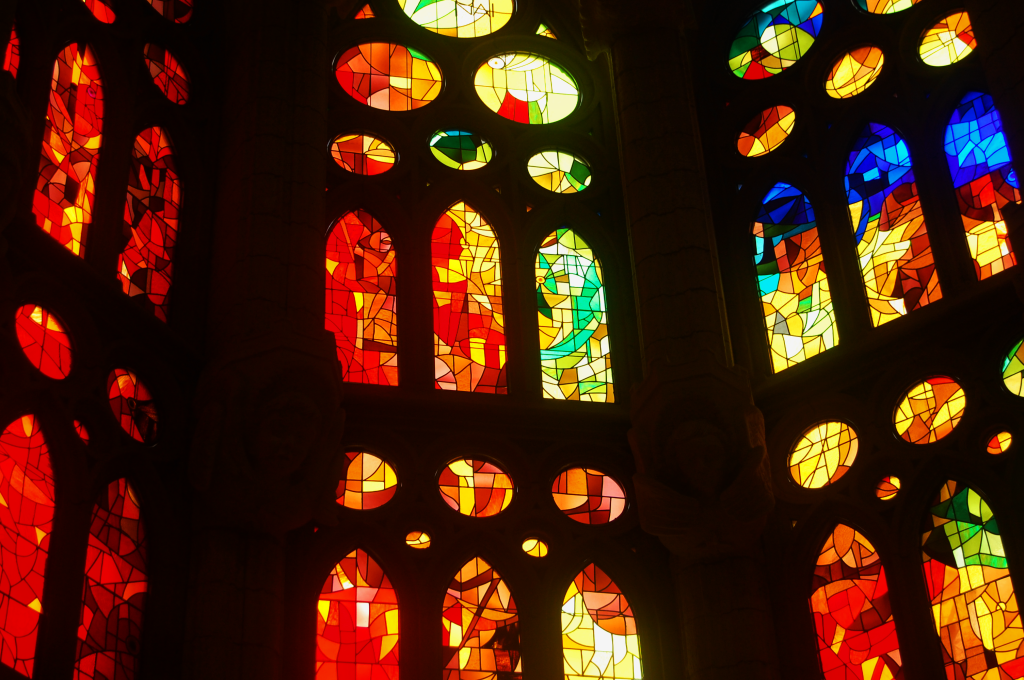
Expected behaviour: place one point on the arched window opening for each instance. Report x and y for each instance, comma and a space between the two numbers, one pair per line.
65, 191
599, 633
357, 622
852, 615
481, 626
114, 595
469, 322
361, 299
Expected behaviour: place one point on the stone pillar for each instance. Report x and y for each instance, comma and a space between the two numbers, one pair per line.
702, 485
267, 451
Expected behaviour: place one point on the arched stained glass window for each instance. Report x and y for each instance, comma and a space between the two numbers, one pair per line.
985, 181
361, 299
572, 315
469, 321
969, 586
65, 190
357, 622
480, 626
26, 520
852, 615
44, 341
895, 255
795, 296
167, 73
115, 587
12, 57
599, 634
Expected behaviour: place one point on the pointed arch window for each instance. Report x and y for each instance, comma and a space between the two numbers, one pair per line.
481, 626
599, 633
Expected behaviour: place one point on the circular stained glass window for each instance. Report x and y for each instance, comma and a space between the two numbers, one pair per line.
823, 454
766, 131
459, 18
44, 341
388, 77
930, 410
999, 443
475, 488
461, 150
888, 487
363, 154
854, 72
588, 496
526, 88
369, 482
559, 171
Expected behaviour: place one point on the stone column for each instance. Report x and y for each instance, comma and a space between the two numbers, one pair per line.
702, 484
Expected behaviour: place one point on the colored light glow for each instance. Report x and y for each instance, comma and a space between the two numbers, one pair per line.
823, 454
948, 41
83, 433
100, 10
369, 482
12, 57
178, 11
766, 132
930, 410
461, 150
854, 72
886, 6
417, 539
65, 190
559, 171
599, 632
887, 487
361, 300
44, 341
535, 547
1013, 370
546, 32
999, 443
774, 38
475, 488
167, 73
526, 88
363, 154
480, 626
365, 13
388, 77
459, 18
132, 405
588, 496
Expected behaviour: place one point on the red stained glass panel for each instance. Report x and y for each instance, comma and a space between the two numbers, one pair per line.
388, 77
178, 11
132, 405
44, 341
100, 10
476, 488
167, 73
12, 57
588, 496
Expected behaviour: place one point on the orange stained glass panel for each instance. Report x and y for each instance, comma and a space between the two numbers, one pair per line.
480, 623
363, 154
599, 632
948, 41
115, 588
369, 482
178, 11
999, 443
417, 539
852, 616
930, 410
44, 341
357, 622
26, 520
65, 190
365, 13
12, 57
132, 405
766, 131
100, 10
361, 301
588, 496
475, 488
469, 320
167, 73
854, 72
389, 77
888, 487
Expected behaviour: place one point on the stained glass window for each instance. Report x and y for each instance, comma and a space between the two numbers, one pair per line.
795, 297
526, 88
854, 72
361, 299
887, 487
115, 588
44, 341
775, 37
823, 454
535, 547
469, 321
459, 18
572, 317
178, 11
892, 241
545, 31
132, 405
1013, 370
461, 150
146, 265
588, 496
26, 520
100, 10
766, 131
365, 13
12, 57
389, 77
559, 171
167, 73
417, 539
999, 443
475, 488
83, 433
480, 626
599, 632
852, 614
985, 181
369, 482
948, 41
886, 6
65, 191
357, 622
968, 580
930, 410
363, 154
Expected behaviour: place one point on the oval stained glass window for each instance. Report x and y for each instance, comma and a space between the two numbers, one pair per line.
559, 171
535, 547
1013, 370
83, 433
369, 482
823, 454
887, 487
178, 11
388, 77
886, 6
419, 540
526, 88
588, 496
457, 18
930, 410
774, 38
948, 41
766, 131
854, 72
132, 405
167, 73
999, 443
44, 341
461, 150
475, 488
363, 154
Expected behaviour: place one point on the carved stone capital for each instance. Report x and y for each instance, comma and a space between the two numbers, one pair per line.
605, 21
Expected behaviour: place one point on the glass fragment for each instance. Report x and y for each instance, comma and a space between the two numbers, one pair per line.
417, 539
854, 72
167, 73
12, 57
545, 31
886, 6
83, 433
823, 454
559, 171
535, 547
100, 10
459, 18
766, 131
475, 488
948, 41
44, 341
363, 154
774, 38
369, 482
178, 11
599, 632
526, 88
999, 443
365, 13
888, 487
132, 405
930, 410
588, 496
388, 77
480, 633
461, 150
1013, 370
